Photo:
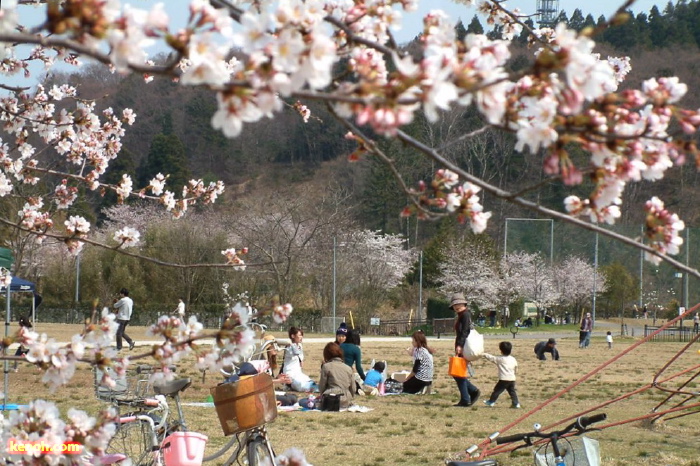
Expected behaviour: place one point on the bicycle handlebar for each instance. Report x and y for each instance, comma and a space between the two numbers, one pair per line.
585, 421
581, 424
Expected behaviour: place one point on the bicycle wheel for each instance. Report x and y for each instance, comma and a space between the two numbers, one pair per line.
135, 440
260, 452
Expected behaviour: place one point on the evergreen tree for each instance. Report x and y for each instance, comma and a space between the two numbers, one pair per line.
525, 33
562, 18
460, 32
577, 21
475, 26
124, 164
657, 28
380, 203
166, 155
680, 29
589, 22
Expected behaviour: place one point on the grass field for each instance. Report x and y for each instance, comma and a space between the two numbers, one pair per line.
411, 429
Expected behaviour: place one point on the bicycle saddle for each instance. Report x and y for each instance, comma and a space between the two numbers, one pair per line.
172, 387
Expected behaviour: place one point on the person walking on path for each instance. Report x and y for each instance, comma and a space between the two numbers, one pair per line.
468, 392
124, 306
507, 367
586, 329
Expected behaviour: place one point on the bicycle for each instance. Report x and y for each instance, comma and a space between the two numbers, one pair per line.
148, 435
147, 422
560, 456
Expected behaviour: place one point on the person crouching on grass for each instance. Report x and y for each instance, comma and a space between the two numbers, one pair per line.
507, 367
422, 372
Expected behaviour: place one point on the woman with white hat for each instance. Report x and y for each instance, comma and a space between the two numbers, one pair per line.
468, 392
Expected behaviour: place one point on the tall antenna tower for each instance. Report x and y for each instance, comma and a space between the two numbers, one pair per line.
547, 12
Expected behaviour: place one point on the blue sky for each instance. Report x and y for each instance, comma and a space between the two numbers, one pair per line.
178, 10
412, 22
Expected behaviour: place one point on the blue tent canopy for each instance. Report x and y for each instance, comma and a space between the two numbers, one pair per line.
16, 285
19, 284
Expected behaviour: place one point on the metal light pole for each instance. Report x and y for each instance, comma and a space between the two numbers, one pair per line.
641, 275
77, 280
334, 326
685, 274
551, 234
420, 286
595, 275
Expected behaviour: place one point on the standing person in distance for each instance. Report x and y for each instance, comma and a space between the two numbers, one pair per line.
124, 306
586, 329
468, 392
180, 309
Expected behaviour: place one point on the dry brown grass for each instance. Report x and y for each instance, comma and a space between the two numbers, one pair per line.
426, 429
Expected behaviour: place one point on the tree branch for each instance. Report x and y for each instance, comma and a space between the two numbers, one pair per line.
517, 200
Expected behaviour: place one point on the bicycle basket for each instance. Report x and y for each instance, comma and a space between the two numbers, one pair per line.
133, 385
247, 403
581, 451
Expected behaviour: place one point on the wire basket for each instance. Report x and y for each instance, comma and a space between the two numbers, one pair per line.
132, 386
581, 451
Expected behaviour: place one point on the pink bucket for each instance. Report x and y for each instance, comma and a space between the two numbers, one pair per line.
184, 449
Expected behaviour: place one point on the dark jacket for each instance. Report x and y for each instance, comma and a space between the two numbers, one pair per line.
541, 348
352, 354
463, 325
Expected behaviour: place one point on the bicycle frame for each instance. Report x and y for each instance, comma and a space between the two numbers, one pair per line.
580, 426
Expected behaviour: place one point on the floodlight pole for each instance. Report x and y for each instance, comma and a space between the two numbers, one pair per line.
420, 286
8, 319
595, 276
334, 326
641, 274
551, 235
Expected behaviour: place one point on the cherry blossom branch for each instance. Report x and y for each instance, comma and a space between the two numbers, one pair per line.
352, 37
372, 147
117, 248
514, 199
58, 42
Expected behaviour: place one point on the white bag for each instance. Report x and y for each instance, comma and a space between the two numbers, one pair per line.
474, 346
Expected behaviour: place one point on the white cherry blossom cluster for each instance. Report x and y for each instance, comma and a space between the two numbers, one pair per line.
40, 421
58, 361
663, 229
127, 236
282, 312
292, 457
5, 277
233, 258
446, 194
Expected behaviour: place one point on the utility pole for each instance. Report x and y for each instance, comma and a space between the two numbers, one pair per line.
334, 325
